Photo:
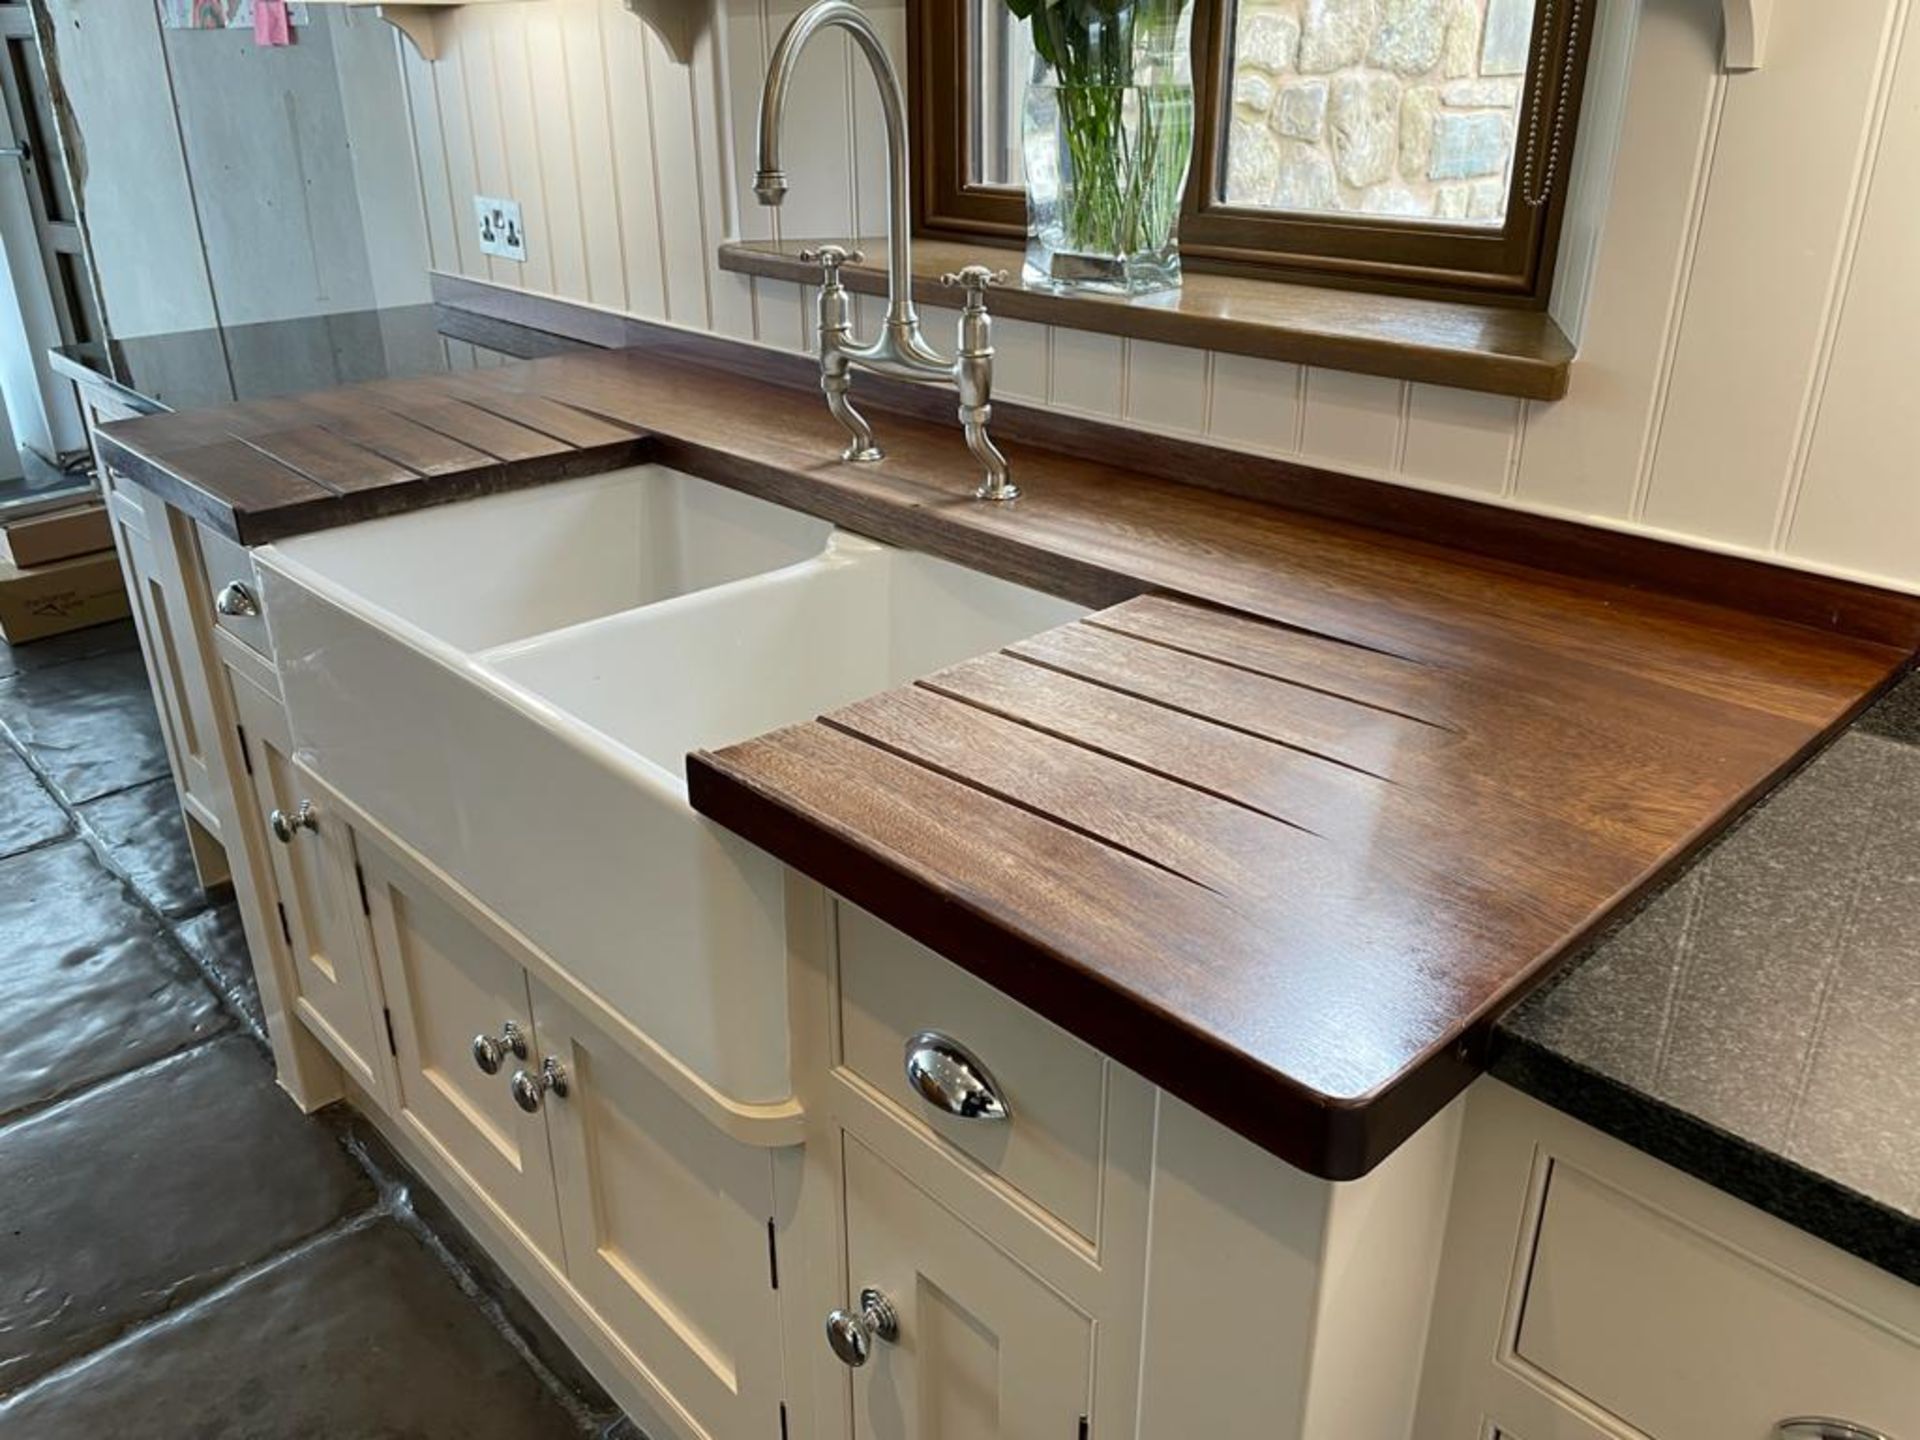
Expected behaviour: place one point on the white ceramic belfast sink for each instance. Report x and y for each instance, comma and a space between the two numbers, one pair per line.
512, 690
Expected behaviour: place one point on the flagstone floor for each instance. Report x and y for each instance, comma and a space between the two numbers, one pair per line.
183, 1255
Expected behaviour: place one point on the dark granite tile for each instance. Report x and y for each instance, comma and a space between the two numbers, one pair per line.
144, 1193
363, 1336
1784, 1073
89, 984
218, 945
146, 840
1774, 896
1611, 1012
1858, 1118
28, 814
1897, 715
90, 724
1878, 1234
63, 649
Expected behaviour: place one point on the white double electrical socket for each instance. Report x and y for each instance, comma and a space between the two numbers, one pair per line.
502, 232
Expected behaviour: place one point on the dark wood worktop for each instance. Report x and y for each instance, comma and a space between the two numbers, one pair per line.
261, 470
1285, 830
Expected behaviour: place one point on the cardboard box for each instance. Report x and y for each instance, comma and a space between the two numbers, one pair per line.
66, 595
55, 535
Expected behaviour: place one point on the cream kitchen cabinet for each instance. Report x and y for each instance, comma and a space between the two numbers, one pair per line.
1089, 1258
954, 1339
655, 1226
1593, 1293
159, 561
449, 987
314, 897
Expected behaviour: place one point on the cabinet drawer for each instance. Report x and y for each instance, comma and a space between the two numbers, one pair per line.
232, 584
1054, 1086
1685, 1337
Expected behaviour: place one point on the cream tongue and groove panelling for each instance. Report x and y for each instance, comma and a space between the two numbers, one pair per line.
1745, 305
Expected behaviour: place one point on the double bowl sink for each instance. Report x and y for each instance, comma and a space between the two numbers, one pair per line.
510, 685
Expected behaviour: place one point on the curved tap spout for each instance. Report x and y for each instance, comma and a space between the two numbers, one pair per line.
770, 180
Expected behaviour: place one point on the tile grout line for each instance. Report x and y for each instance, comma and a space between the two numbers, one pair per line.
140, 1330
83, 830
396, 1200
392, 1194
35, 1110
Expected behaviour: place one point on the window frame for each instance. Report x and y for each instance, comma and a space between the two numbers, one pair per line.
1512, 265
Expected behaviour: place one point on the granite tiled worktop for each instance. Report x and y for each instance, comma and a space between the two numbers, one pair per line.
1757, 1022
195, 369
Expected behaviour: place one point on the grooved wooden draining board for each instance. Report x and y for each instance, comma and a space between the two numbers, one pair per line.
264, 469
1286, 873
1284, 829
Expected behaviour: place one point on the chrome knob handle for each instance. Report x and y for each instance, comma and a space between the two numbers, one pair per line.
851, 1334
948, 1075
490, 1051
530, 1090
1814, 1427
235, 599
286, 827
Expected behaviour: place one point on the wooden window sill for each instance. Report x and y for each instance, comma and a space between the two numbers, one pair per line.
1471, 347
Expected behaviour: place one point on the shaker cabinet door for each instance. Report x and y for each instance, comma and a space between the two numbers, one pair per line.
983, 1349
666, 1225
310, 850
448, 985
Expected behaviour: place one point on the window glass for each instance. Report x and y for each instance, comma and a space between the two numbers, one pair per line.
1002, 58
1399, 109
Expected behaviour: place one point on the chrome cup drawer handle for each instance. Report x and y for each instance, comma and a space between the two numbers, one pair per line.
1815, 1427
850, 1334
948, 1075
236, 600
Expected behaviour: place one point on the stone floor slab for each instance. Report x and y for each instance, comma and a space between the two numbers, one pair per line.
90, 723
216, 941
28, 814
63, 649
140, 1195
363, 1336
146, 840
89, 983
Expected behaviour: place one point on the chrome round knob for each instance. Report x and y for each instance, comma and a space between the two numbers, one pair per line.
1819, 1427
850, 1335
490, 1051
237, 600
530, 1090
286, 827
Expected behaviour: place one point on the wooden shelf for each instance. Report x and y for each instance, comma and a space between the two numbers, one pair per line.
414, 19
1470, 347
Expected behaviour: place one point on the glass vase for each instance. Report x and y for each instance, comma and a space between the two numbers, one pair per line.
1107, 139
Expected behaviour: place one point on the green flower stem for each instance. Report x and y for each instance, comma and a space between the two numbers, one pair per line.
1125, 120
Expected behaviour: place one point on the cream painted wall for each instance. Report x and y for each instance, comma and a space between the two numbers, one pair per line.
224, 182
1740, 264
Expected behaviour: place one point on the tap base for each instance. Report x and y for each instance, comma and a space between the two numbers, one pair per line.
1005, 490
863, 454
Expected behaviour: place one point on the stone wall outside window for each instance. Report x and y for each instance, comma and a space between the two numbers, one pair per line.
1379, 107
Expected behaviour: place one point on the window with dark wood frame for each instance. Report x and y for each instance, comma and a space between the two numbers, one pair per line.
1511, 263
